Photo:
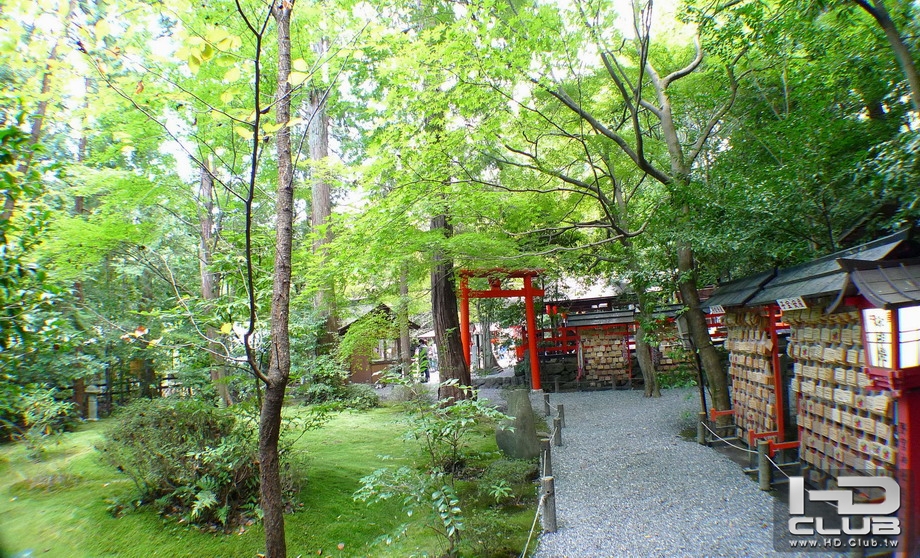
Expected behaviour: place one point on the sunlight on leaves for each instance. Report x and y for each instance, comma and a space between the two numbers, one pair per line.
298, 78
233, 74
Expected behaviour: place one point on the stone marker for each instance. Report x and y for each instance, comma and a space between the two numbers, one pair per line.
522, 442
92, 402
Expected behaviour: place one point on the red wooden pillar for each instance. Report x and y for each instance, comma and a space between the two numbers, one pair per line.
908, 415
779, 388
532, 334
465, 317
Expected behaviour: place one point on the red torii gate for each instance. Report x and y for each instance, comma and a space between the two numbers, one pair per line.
495, 277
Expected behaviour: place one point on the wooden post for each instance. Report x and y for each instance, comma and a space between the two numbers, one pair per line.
545, 452
548, 495
701, 429
557, 432
79, 397
908, 458
560, 412
752, 446
556, 384
546, 410
763, 464
779, 388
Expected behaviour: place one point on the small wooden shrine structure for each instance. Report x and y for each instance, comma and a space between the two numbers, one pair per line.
887, 295
825, 357
385, 352
589, 344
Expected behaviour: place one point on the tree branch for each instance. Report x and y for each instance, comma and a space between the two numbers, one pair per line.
721, 112
689, 68
640, 161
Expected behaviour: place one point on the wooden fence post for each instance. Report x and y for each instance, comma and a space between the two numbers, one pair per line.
763, 464
547, 469
548, 491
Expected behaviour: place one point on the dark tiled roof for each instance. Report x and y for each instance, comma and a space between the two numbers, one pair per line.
601, 318
824, 276
667, 311
738, 292
887, 285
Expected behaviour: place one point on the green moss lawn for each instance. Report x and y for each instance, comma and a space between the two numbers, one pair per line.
59, 507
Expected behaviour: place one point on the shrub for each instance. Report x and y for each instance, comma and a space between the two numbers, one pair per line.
444, 431
490, 535
35, 415
9, 409
313, 394
442, 427
678, 378
186, 457
431, 492
323, 381
327, 382
361, 397
508, 481
412, 394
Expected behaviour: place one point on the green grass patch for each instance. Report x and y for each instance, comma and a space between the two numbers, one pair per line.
60, 506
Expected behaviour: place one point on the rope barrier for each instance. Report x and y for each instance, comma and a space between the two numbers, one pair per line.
723, 440
540, 504
533, 527
775, 465
780, 469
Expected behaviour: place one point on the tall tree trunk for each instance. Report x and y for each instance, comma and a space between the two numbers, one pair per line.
209, 281
699, 329
646, 364
643, 349
83, 144
446, 315
402, 316
878, 11
681, 166
321, 208
279, 369
38, 117
485, 324
79, 208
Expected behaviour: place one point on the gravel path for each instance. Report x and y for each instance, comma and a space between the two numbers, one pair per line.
627, 484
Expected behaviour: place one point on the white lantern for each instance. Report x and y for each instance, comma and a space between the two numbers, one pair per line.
892, 337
